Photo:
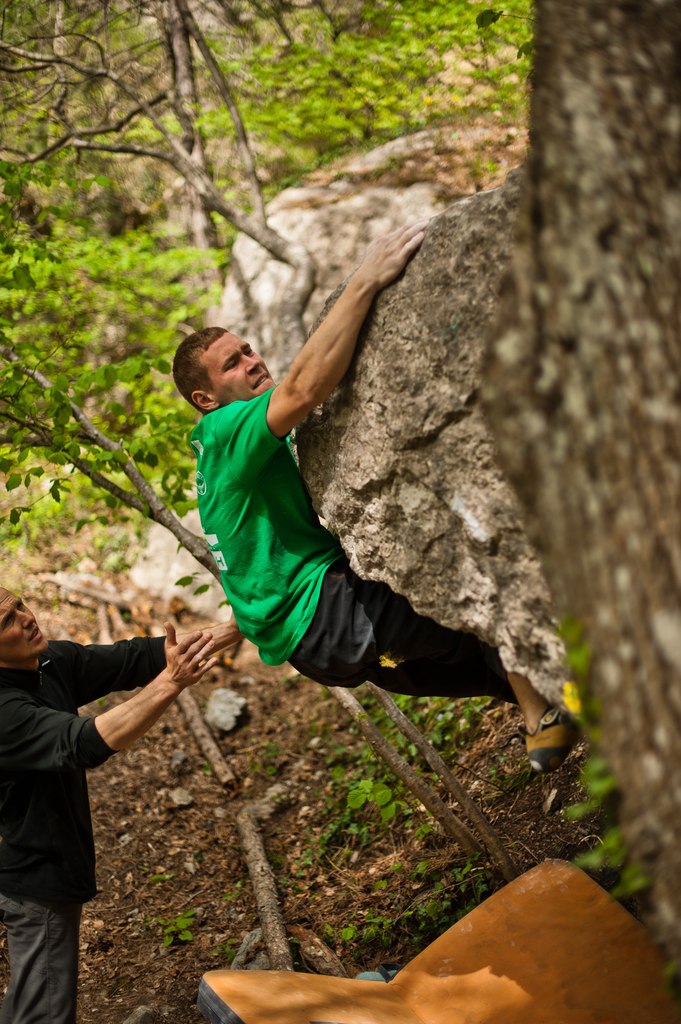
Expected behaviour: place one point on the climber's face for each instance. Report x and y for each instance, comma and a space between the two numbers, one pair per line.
235, 373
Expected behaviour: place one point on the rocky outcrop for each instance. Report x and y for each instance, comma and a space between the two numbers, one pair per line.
402, 465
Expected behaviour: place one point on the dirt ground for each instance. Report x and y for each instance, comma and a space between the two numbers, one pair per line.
373, 892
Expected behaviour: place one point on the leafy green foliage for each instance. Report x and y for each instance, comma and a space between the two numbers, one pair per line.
612, 851
440, 898
95, 321
394, 69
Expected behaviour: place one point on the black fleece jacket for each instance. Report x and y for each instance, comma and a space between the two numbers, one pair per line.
47, 851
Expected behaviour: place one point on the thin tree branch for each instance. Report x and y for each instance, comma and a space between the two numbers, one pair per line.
491, 840
157, 510
449, 821
73, 137
41, 61
125, 497
120, 147
242, 141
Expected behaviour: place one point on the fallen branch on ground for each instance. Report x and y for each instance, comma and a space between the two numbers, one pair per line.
264, 888
315, 953
76, 585
209, 748
200, 731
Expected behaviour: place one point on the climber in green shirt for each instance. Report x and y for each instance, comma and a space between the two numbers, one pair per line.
291, 588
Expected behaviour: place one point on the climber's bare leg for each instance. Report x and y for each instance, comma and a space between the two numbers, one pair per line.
532, 704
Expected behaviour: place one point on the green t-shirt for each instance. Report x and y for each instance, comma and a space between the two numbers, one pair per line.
266, 539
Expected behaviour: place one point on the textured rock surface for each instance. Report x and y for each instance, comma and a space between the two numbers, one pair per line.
223, 709
401, 463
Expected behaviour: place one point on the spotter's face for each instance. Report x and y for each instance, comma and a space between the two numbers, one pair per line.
21, 639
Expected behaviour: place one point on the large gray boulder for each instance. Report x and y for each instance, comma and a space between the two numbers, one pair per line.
401, 463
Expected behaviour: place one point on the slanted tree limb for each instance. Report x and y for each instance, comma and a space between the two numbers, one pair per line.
449, 821
488, 835
157, 510
264, 888
241, 136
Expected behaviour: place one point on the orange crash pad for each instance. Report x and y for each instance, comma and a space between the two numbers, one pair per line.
551, 947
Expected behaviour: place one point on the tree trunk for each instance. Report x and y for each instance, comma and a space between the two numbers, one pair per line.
583, 388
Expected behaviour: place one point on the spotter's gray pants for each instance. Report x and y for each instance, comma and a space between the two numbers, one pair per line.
43, 957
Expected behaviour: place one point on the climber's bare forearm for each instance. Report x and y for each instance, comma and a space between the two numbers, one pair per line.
324, 359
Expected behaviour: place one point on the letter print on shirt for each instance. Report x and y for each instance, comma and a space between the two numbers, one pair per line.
213, 542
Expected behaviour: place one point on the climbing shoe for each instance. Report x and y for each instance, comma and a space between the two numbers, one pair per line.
384, 972
552, 740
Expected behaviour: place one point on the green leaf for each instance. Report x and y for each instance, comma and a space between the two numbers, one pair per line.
21, 278
488, 17
381, 794
388, 811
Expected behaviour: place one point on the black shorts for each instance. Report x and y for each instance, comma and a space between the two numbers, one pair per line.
362, 631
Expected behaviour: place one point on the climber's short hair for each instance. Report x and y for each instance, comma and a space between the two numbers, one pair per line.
189, 372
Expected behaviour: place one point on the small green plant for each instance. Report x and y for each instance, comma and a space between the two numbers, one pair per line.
271, 759
234, 893
177, 929
368, 791
601, 788
509, 779
226, 950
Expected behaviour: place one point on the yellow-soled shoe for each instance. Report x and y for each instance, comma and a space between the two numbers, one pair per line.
552, 740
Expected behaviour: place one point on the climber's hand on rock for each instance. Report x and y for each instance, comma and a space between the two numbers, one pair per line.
387, 256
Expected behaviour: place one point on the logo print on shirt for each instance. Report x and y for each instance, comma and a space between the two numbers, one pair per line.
198, 448
200, 483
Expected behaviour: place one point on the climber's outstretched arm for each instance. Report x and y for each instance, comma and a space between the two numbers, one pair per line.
326, 355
